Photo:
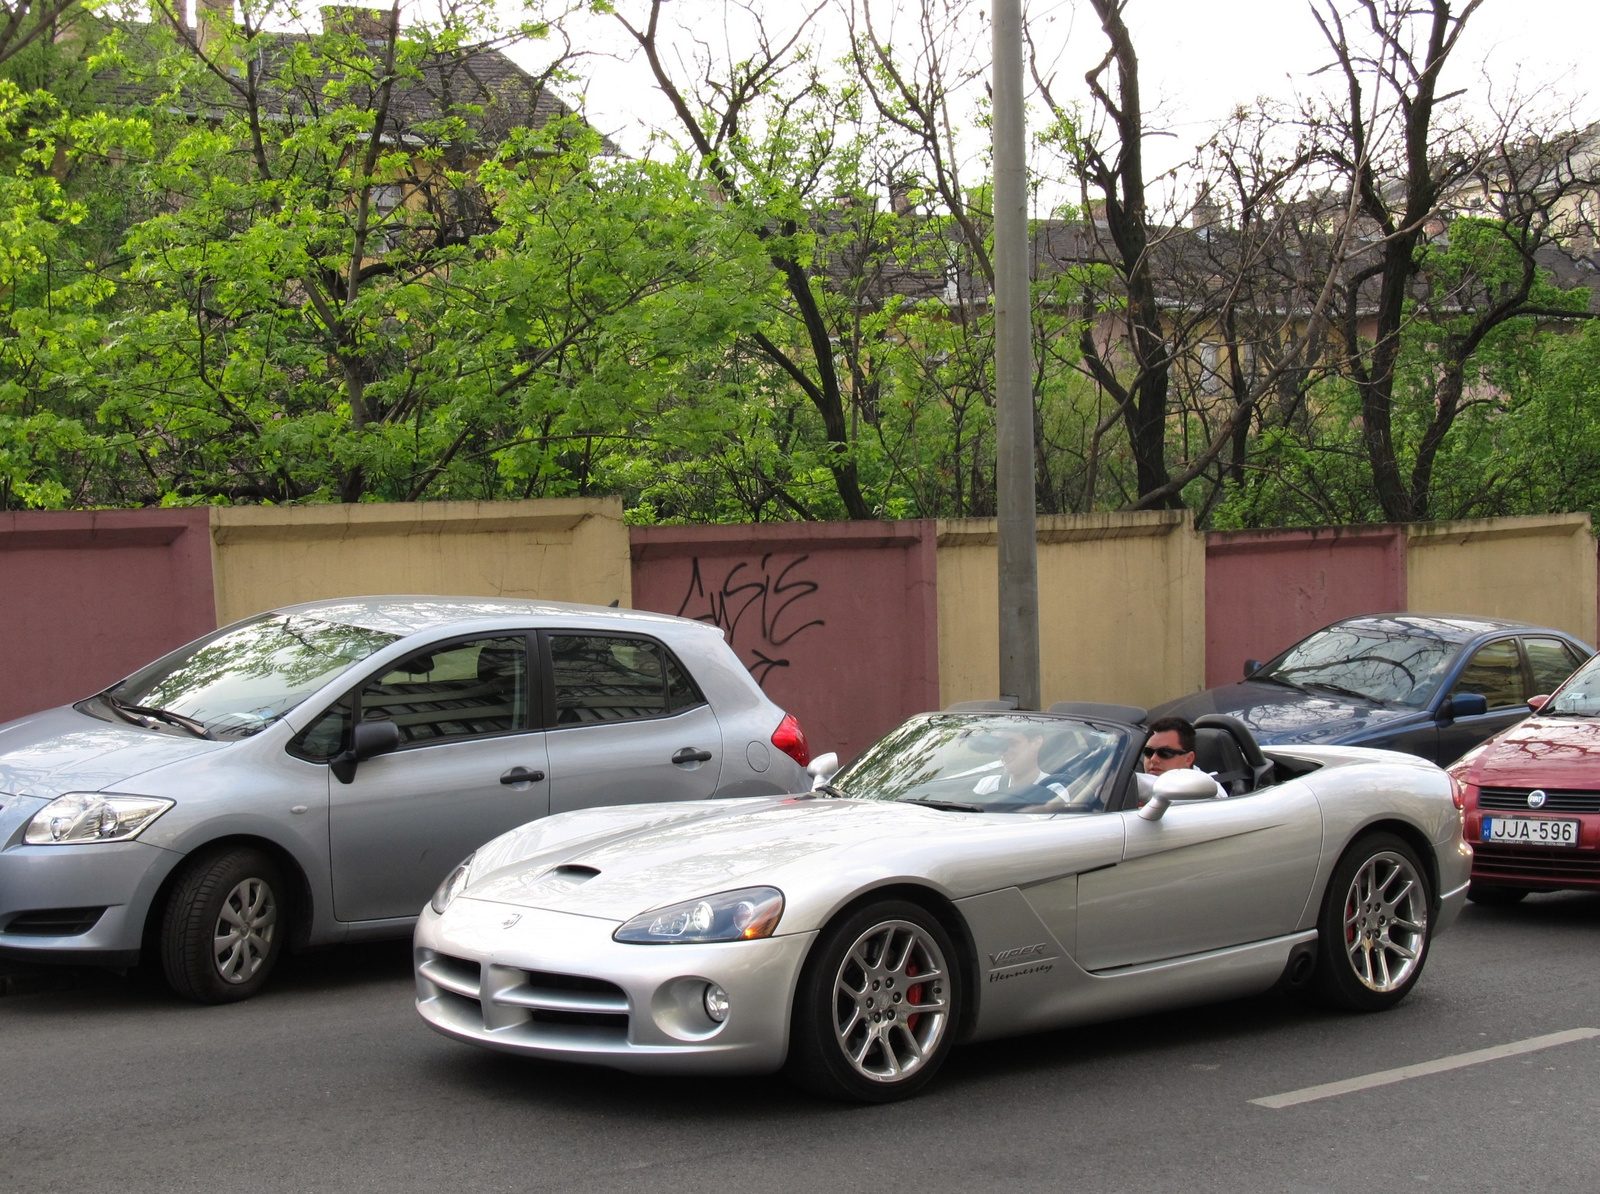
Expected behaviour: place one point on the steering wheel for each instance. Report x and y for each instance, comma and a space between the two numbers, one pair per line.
1041, 794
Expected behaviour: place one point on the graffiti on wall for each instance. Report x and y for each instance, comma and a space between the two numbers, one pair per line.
754, 604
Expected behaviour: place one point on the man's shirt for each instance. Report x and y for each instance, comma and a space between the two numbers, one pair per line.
990, 785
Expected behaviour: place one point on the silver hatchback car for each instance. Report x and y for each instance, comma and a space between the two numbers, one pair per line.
310, 775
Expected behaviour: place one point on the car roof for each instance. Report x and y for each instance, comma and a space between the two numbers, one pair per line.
406, 614
1455, 627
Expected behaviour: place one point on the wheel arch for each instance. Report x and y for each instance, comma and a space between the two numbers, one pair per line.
937, 905
301, 903
1413, 837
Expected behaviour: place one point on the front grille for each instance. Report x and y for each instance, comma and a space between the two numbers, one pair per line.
506, 997
1555, 800
1533, 864
55, 922
568, 999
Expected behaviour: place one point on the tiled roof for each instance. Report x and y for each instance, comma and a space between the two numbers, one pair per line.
482, 86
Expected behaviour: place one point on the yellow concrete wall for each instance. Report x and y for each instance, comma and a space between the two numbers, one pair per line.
561, 549
1536, 569
1121, 608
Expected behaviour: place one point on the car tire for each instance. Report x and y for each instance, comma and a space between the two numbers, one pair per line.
224, 926
851, 1035
1375, 927
1495, 897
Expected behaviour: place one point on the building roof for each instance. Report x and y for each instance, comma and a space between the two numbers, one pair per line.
1185, 261
478, 84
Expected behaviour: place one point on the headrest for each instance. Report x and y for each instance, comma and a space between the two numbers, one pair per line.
499, 663
1215, 751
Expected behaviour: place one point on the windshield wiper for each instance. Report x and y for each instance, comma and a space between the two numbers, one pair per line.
952, 806
132, 713
1346, 692
1276, 679
830, 790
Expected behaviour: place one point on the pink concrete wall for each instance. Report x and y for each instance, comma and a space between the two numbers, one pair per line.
87, 597
837, 621
1266, 590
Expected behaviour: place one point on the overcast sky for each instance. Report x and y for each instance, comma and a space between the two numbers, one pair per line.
1200, 58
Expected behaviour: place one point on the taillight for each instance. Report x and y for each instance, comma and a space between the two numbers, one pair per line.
791, 740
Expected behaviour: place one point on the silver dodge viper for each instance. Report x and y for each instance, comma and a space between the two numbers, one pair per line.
974, 874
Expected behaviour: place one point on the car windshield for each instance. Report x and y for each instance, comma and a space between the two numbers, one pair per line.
1579, 696
991, 763
1387, 662
244, 677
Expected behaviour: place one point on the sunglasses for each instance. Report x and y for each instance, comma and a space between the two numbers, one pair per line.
1166, 752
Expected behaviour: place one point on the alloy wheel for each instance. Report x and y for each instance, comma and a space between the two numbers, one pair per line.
1385, 921
891, 1001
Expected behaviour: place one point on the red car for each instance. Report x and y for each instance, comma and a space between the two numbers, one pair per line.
1532, 797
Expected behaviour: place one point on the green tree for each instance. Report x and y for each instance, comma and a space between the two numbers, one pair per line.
52, 293
362, 286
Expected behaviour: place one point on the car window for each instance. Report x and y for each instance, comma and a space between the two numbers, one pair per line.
1581, 695
245, 677
1013, 763
1495, 670
681, 690
1387, 661
602, 678
1551, 661
325, 737
453, 691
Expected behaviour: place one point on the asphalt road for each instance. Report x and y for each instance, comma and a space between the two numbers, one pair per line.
330, 1082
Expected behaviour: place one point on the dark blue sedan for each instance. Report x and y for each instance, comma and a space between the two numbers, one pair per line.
1432, 685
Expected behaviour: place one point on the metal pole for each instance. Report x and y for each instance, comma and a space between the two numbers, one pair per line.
1013, 371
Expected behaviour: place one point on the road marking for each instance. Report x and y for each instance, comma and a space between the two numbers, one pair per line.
1423, 1068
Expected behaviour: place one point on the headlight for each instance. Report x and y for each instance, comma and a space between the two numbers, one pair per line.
89, 817
452, 885
727, 916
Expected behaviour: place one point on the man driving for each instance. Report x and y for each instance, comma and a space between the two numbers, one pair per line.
1019, 767
1170, 747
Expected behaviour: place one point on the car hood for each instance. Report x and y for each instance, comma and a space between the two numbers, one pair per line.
1541, 752
62, 750
647, 856
1278, 714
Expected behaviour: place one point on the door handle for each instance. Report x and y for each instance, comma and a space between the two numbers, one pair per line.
521, 775
690, 755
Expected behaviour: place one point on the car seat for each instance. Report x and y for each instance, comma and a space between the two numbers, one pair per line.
1225, 747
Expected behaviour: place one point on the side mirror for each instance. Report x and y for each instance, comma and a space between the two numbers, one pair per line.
1251, 667
1463, 704
823, 768
370, 738
1538, 702
1183, 784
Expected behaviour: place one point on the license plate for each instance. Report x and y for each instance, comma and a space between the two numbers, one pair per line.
1530, 831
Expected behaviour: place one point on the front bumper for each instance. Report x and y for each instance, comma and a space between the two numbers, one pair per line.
1537, 868
1455, 869
120, 877
556, 986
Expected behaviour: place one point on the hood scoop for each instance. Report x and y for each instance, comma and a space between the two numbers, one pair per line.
572, 874
534, 889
